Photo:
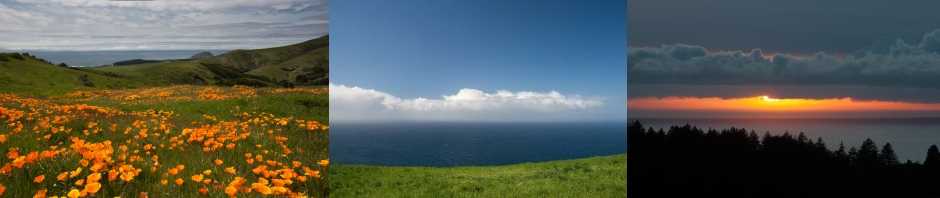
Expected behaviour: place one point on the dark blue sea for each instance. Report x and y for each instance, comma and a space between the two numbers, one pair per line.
910, 137
463, 144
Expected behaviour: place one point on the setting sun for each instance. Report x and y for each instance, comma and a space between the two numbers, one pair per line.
766, 103
768, 99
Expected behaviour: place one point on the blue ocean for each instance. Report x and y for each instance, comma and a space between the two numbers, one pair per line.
464, 144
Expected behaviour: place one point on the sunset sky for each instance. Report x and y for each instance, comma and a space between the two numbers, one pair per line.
743, 60
769, 107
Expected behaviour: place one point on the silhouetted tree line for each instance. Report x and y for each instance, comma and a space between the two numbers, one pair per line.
685, 161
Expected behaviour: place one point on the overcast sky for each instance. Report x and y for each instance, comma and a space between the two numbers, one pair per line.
793, 26
862, 49
159, 24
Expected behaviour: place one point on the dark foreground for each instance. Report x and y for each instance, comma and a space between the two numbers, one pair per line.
685, 161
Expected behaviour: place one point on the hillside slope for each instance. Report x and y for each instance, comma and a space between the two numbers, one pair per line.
23, 73
305, 63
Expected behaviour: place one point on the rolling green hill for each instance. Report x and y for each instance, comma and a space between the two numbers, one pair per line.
23, 73
305, 63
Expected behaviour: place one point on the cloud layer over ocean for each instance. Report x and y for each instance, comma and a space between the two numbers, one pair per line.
355, 103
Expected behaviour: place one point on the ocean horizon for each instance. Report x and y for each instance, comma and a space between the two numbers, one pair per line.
472, 143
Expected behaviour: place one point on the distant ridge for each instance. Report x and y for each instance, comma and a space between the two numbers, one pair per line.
301, 64
202, 55
134, 62
305, 63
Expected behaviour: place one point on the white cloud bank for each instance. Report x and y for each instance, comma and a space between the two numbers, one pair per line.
349, 103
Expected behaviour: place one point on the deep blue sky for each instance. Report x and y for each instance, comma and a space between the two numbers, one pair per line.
427, 48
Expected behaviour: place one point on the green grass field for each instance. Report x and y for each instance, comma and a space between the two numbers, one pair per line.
588, 177
174, 128
136, 137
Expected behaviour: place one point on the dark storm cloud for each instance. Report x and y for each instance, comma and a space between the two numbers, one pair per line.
902, 71
796, 26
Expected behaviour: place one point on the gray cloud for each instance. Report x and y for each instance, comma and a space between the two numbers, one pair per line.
159, 25
903, 65
902, 71
799, 26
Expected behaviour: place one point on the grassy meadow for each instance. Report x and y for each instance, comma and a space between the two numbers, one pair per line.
588, 177
175, 141
169, 128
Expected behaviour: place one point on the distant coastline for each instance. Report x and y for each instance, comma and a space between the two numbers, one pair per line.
108, 57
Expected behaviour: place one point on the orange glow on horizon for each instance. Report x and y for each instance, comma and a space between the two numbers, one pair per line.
766, 103
769, 99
